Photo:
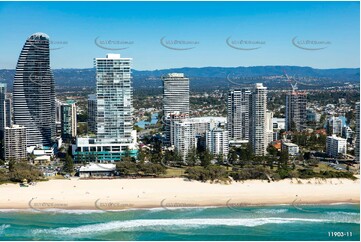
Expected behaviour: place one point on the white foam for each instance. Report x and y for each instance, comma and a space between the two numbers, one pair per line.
344, 213
157, 224
271, 211
3, 227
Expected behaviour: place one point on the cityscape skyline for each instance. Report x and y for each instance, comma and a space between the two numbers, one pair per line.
107, 150
332, 24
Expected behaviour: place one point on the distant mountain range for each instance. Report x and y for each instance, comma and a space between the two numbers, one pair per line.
208, 76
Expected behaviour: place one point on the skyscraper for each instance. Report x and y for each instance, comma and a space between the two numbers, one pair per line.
258, 120
334, 126
58, 104
114, 121
269, 126
33, 92
296, 113
9, 109
68, 121
175, 100
2, 109
92, 113
238, 107
175, 94
114, 99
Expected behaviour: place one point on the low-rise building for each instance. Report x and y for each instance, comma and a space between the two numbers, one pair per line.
88, 149
97, 170
291, 148
335, 146
279, 123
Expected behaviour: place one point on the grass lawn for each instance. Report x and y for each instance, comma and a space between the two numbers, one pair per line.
174, 172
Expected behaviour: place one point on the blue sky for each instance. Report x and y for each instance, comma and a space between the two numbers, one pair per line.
74, 26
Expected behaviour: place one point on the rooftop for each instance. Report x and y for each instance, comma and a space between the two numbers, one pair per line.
97, 167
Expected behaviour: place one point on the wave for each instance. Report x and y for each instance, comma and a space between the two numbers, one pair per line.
271, 211
3, 227
344, 213
157, 224
343, 217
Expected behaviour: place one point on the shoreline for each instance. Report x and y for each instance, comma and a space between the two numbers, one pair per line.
174, 193
89, 211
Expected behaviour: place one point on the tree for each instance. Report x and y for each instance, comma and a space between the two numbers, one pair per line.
272, 150
192, 157
23, 170
232, 156
220, 159
206, 158
68, 166
141, 155
126, 155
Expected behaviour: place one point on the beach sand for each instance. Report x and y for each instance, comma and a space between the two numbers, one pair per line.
174, 192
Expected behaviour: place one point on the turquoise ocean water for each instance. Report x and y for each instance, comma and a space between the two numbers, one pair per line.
311, 222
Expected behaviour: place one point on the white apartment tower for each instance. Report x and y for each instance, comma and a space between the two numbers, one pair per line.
114, 99
217, 141
175, 100
335, 146
186, 132
238, 107
92, 113
269, 126
296, 113
15, 143
258, 120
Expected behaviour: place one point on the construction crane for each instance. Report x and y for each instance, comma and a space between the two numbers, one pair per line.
294, 86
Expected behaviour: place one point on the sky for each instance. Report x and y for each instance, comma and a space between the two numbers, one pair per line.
224, 34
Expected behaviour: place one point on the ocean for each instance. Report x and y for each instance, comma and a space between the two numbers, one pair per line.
284, 222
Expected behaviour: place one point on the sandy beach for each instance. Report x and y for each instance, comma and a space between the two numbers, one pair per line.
174, 192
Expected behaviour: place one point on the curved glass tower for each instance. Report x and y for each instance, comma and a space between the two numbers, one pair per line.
34, 95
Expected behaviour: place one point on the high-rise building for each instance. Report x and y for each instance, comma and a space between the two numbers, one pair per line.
114, 120
187, 132
296, 113
9, 109
258, 117
335, 146
92, 113
114, 99
2, 109
68, 121
334, 126
357, 131
175, 100
58, 104
312, 115
217, 141
175, 93
33, 92
269, 126
238, 108
15, 143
